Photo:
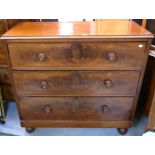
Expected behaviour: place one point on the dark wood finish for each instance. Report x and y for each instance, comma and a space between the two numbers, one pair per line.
76, 83
103, 65
148, 94
3, 63
147, 97
5, 76
79, 55
149, 85
5, 79
7, 92
3, 28
140, 81
77, 124
76, 108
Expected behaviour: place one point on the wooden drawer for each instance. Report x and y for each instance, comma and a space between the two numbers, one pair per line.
5, 76
78, 83
76, 108
93, 55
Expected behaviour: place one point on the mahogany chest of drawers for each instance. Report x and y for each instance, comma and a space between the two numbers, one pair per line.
77, 74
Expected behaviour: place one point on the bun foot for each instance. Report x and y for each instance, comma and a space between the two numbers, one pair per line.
30, 130
122, 131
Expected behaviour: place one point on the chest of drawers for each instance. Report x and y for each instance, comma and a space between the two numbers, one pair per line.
78, 74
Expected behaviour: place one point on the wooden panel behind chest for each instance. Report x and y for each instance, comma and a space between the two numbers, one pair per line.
89, 83
76, 108
7, 92
2, 53
5, 76
113, 55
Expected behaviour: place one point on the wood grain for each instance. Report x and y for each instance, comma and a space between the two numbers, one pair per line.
77, 124
5, 79
77, 55
70, 83
5, 76
148, 94
2, 53
7, 92
71, 74
76, 108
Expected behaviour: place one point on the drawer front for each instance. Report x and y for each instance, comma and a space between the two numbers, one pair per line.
76, 108
82, 83
84, 55
5, 76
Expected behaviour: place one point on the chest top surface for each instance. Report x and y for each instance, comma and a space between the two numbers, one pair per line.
93, 29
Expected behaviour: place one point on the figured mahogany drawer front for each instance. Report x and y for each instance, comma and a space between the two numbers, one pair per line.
70, 83
76, 108
115, 55
5, 76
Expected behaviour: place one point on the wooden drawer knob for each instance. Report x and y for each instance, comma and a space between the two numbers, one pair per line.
108, 83
47, 109
44, 84
104, 108
41, 56
111, 56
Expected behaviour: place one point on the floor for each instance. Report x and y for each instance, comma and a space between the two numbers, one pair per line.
12, 126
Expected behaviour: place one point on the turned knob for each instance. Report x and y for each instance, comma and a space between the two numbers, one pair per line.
41, 56
47, 109
105, 108
44, 84
111, 56
108, 83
